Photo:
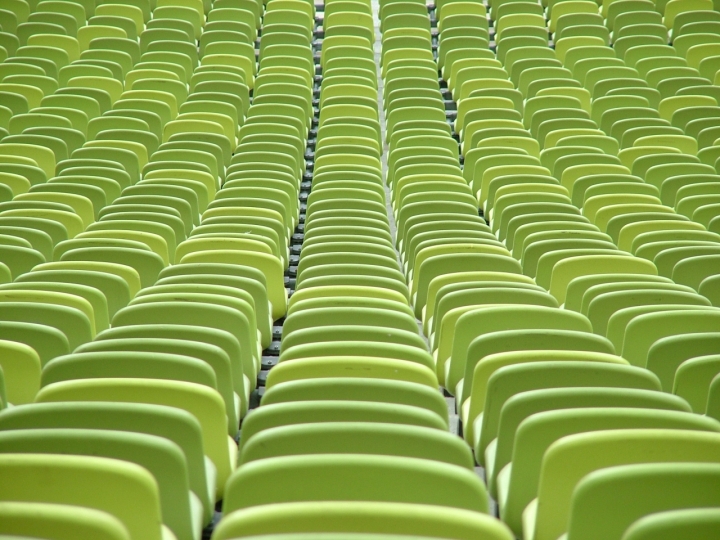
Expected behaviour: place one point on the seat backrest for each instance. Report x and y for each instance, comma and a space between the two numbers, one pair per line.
682, 486
124, 490
696, 522
511, 380
580, 454
357, 389
357, 438
529, 460
164, 460
202, 402
171, 423
415, 480
521, 406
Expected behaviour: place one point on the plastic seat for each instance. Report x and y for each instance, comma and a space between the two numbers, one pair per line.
697, 522
612, 373
640, 334
693, 378
564, 271
500, 452
457, 281
204, 403
266, 263
370, 438
20, 366
690, 482
668, 354
58, 521
208, 341
170, 423
210, 294
693, 270
229, 385
357, 389
138, 510
671, 447
162, 459
483, 348
459, 328
601, 307
277, 414
709, 289
391, 518
366, 467
332, 316
416, 370
70, 314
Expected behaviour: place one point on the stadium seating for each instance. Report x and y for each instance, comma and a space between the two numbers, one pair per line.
359, 270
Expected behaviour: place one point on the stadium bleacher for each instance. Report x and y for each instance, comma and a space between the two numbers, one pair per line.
359, 269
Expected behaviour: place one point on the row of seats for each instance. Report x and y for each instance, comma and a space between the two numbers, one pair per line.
588, 164
557, 243
138, 295
351, 434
